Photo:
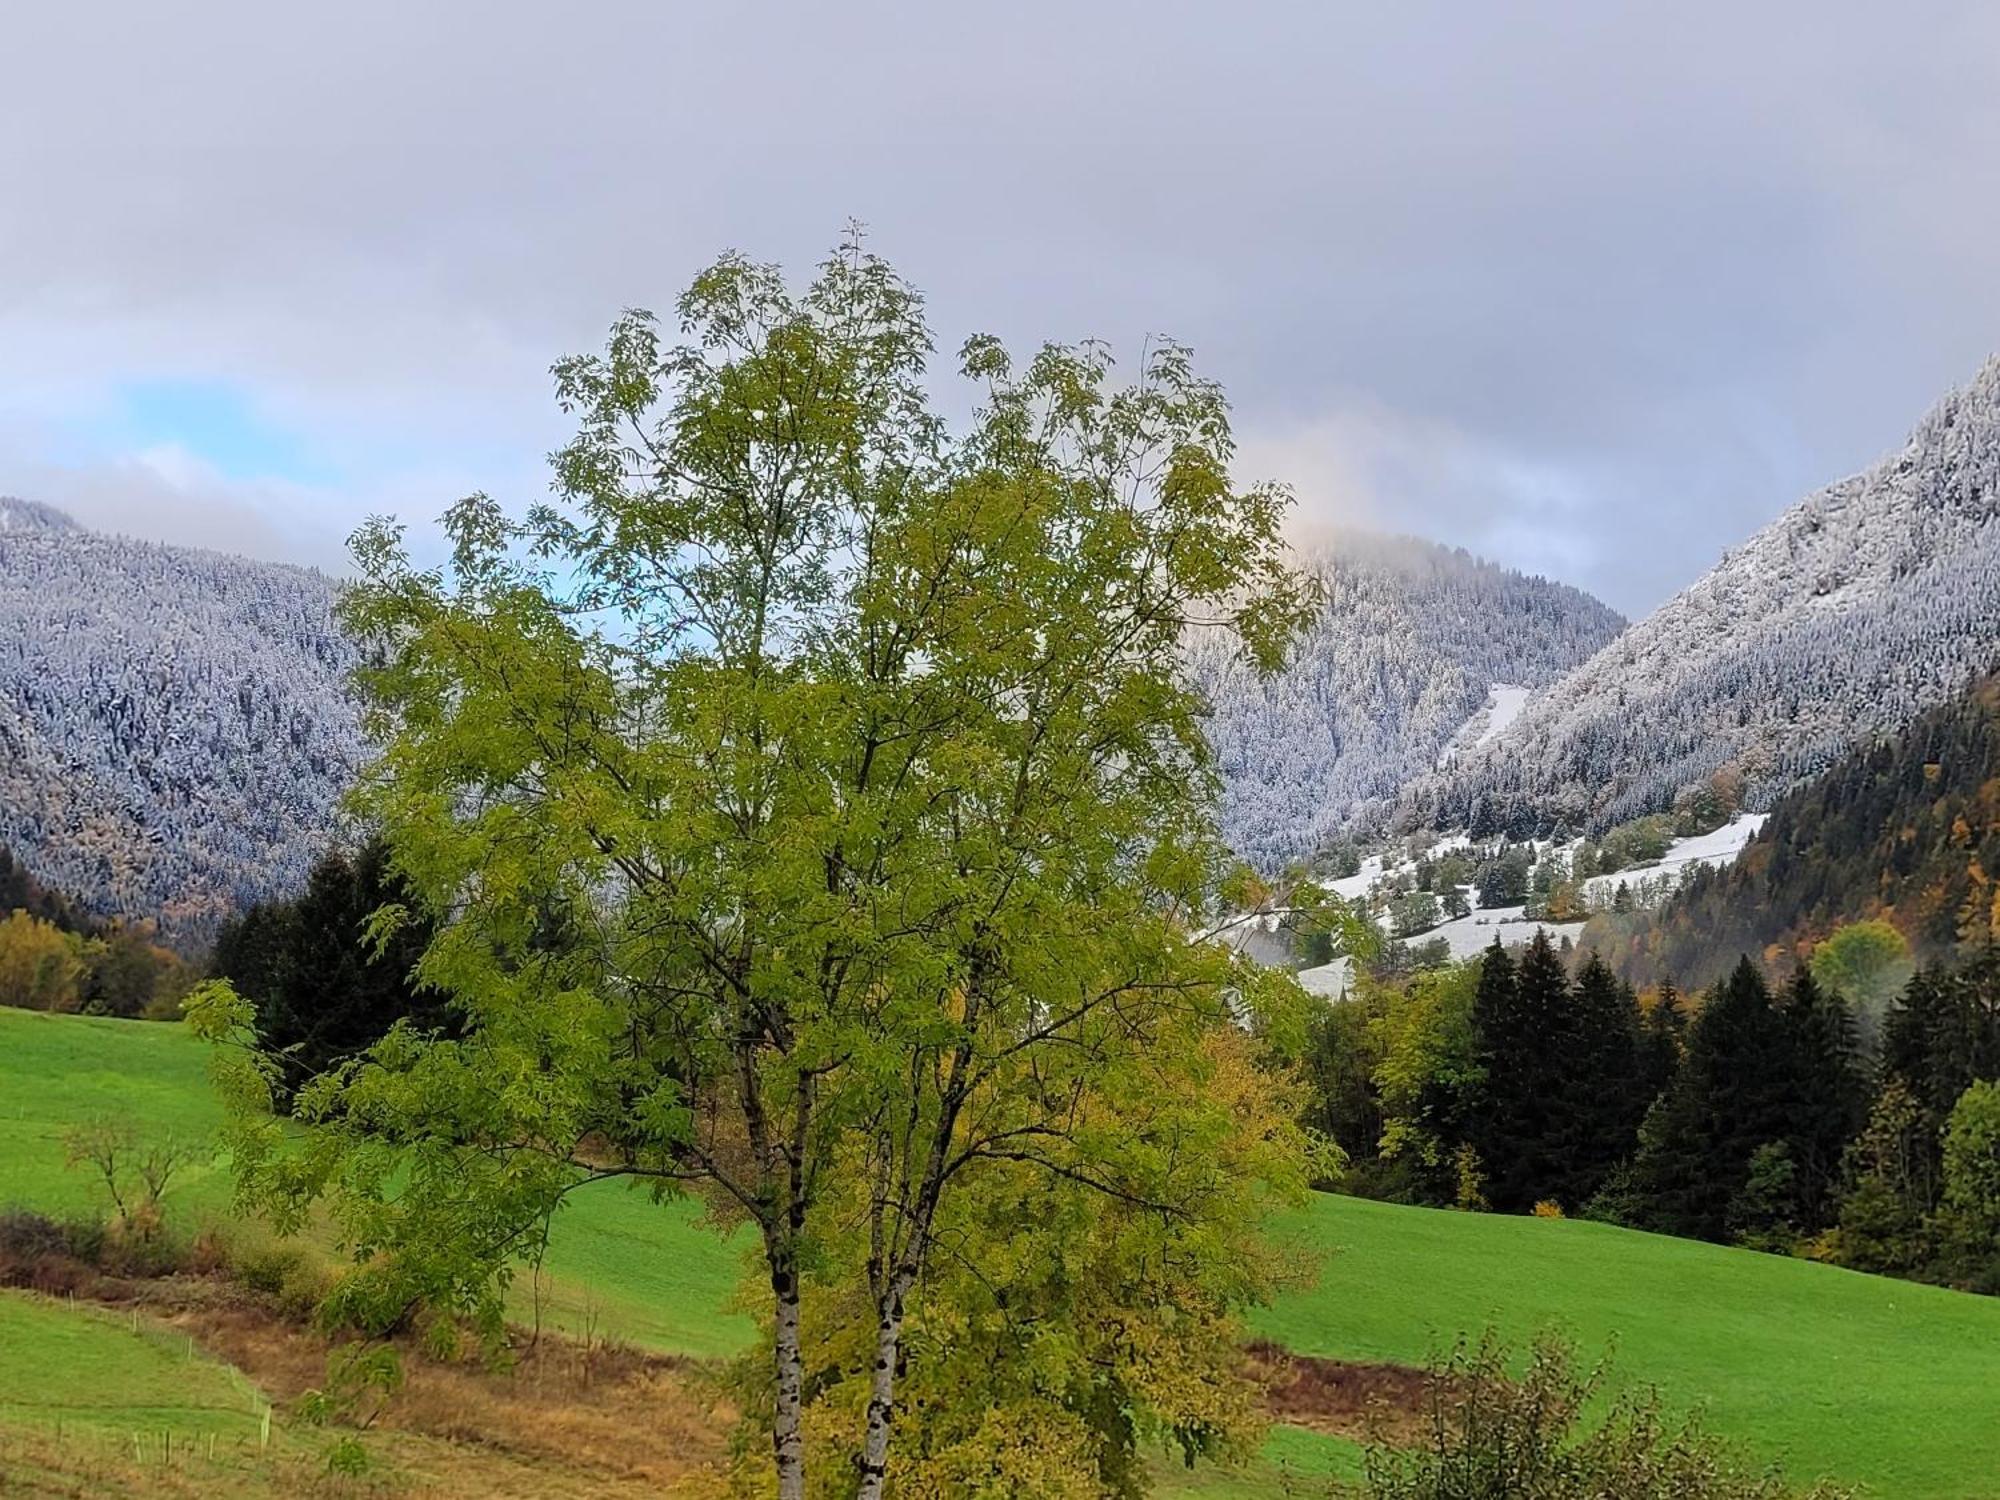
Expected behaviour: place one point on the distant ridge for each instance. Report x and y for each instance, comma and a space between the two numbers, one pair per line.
175, 730
32, 515
1402, 665
1844, 619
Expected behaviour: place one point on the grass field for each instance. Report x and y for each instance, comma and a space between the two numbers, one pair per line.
1858, 1377
73, 1366
1864, 1379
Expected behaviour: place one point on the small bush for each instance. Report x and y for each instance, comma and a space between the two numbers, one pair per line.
1495, 1435
87, 1239
267, 1268
285, 1273
140, 1250
26, 1235
35, 1254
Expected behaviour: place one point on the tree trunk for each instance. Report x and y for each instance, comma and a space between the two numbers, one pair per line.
787, 1440
882, 1387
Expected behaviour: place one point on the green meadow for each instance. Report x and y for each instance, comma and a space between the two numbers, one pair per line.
1866, 1380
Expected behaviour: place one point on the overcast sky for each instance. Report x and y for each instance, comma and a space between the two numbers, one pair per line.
1594, 289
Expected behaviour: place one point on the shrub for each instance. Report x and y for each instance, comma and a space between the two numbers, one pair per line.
1495, 1435
58, 1258
25, 1235
35, 1253
287, 1274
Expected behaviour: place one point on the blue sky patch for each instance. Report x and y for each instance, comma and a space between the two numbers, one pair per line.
218, 423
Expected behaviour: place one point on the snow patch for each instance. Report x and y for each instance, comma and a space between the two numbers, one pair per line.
1719, 846
1503, 706
1511, 924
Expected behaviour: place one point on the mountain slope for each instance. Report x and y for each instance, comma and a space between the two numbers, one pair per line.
1413, 643
1906, 829
174, 727
1857, 609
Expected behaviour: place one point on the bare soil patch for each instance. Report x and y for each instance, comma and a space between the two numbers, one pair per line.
1366, 1402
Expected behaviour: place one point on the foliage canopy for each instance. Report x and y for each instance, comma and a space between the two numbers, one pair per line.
813, 808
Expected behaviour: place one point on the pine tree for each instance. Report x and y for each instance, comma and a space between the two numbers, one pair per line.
1661, 1032
319, 990
1523, 1019
1730, 1097
1604, 1091
1828, 1105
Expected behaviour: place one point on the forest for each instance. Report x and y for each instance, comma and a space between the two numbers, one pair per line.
1748, 1114
1905, 830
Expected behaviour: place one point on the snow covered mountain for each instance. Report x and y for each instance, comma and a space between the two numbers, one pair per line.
1421, 650
1845, 618
174, 726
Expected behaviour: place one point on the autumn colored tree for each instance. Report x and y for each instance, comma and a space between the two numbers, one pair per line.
41, 966
814, 814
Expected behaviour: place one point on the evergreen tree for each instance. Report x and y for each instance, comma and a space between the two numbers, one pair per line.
1523, 1019
1730, 1097
319, 990
1661, 1030
1604, 1090
1828, 1103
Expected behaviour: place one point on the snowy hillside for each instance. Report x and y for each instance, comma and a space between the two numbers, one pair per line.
1419, 646
1561, 897
1846, 617
174, 730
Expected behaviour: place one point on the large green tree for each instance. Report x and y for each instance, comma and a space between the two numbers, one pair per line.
812, 805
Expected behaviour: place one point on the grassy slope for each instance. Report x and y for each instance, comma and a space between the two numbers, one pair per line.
1866, 1378
58, 1071
617, 1263
78, 1366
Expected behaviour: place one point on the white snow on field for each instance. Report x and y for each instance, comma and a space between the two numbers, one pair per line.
1330, 980
1503, 708
1511, 924
1503, 705
1718, 847
1354, 887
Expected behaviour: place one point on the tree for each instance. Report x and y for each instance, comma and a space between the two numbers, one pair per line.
1414, 912
322, 992
1525, 1026
1730, 1097
135, 1171
1503, 880
857, 763
1606, 1090
1893, 1186
1661, 1027
1866, 964
1971, 1209
128, 974
1429, 1076
41, 966
1828, 1104
1037, 1359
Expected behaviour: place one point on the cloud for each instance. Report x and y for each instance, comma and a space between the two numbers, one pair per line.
1367, 465
168, 494
1604, 285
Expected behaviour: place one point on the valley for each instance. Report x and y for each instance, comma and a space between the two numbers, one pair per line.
1769, 1346
955, 957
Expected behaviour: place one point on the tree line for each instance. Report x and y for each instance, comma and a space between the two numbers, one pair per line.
54, 957
1751, 1114
1906, 830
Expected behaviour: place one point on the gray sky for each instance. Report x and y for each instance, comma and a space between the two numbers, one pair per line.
1595, 289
